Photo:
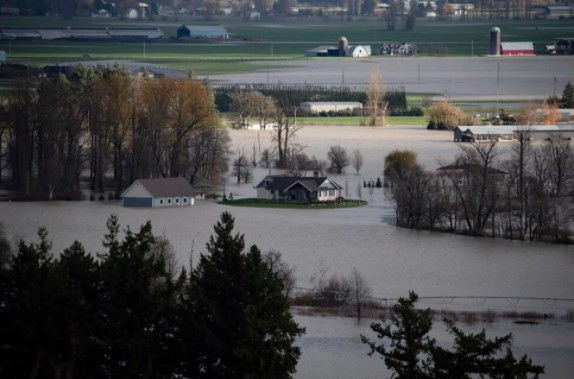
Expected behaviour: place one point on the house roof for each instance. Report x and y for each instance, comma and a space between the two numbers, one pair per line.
165, 187
282, 183
510, 46
205, 29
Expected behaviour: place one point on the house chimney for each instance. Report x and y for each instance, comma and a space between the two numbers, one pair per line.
315, 174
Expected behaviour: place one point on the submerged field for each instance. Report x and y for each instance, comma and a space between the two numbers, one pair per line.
277, 40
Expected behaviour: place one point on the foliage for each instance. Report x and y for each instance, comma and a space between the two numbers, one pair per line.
132, 313
5, 248
446, 113
567, 96
296, 94
105, 121
397, 161
409, 352
339, 159
250, 335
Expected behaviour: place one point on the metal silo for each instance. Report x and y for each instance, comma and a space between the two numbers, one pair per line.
343, 45
495, 41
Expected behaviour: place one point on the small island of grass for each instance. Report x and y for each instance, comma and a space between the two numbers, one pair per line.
264, 203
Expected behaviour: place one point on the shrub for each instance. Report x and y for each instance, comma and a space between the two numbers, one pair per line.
92, 198
102, 198
431, 125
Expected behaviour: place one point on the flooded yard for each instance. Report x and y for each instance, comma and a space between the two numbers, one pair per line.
392, 260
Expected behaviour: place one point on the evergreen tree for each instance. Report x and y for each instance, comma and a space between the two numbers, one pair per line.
407, 354
410, 353
568, 96
474, 354
235, 320
138, 300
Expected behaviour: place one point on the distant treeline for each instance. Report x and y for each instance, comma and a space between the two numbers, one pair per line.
108, 125
296, 94
526, 196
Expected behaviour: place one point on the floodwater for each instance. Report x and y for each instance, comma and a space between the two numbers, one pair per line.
332, 347
454, 77
392, 260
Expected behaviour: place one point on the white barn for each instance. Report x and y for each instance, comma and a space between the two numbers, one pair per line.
159, 192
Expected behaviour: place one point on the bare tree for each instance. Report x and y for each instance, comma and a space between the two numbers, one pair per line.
286, 272
339, 159
359, 191
266, 159
241, 167
285, 132
360, 290
560, 157
376, 104
357, 161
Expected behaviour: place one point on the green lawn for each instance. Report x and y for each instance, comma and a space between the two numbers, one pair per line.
288, 38
270, 40
261, 203
355, 120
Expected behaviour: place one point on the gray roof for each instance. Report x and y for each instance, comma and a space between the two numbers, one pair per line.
516, 46
168, 187
511, 129
282, 183
82, 33
205, 29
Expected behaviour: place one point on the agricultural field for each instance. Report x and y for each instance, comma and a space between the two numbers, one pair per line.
276, 40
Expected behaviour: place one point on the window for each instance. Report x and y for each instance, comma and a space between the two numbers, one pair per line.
185, 200
331, 192
177, 200
169, 201
160, 201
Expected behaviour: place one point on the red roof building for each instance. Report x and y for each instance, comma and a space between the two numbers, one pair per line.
516, 48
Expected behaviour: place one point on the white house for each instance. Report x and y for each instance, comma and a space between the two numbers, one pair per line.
298, 188
159, 192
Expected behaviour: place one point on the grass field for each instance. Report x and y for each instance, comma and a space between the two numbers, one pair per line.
262, 203
355, 120
277, 40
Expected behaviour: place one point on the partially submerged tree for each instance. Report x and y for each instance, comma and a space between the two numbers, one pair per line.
285, 132
339, 159
445, 115
357, 161
376, 105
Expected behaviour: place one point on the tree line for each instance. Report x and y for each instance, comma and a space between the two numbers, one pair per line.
526, 196
295, 94
130, 311
112, 126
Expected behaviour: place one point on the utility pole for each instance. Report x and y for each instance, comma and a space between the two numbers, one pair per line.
342, 75
498, 72
472, 48
419, 73
144, 48
555, 80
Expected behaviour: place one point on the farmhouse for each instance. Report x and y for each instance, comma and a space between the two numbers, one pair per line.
311, 107
509, 132
516, 48
298, 188
202, 31
159, 192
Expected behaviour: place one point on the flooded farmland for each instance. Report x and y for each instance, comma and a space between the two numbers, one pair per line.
392, 260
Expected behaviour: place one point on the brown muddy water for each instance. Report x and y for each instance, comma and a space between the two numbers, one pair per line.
392, 260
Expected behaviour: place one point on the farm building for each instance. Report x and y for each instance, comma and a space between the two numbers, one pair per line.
558, 11
509, 132
298, 188
80, 33
480, 133
342, 50
565, 46
202, 31
516, 48
326, 106
159, 192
